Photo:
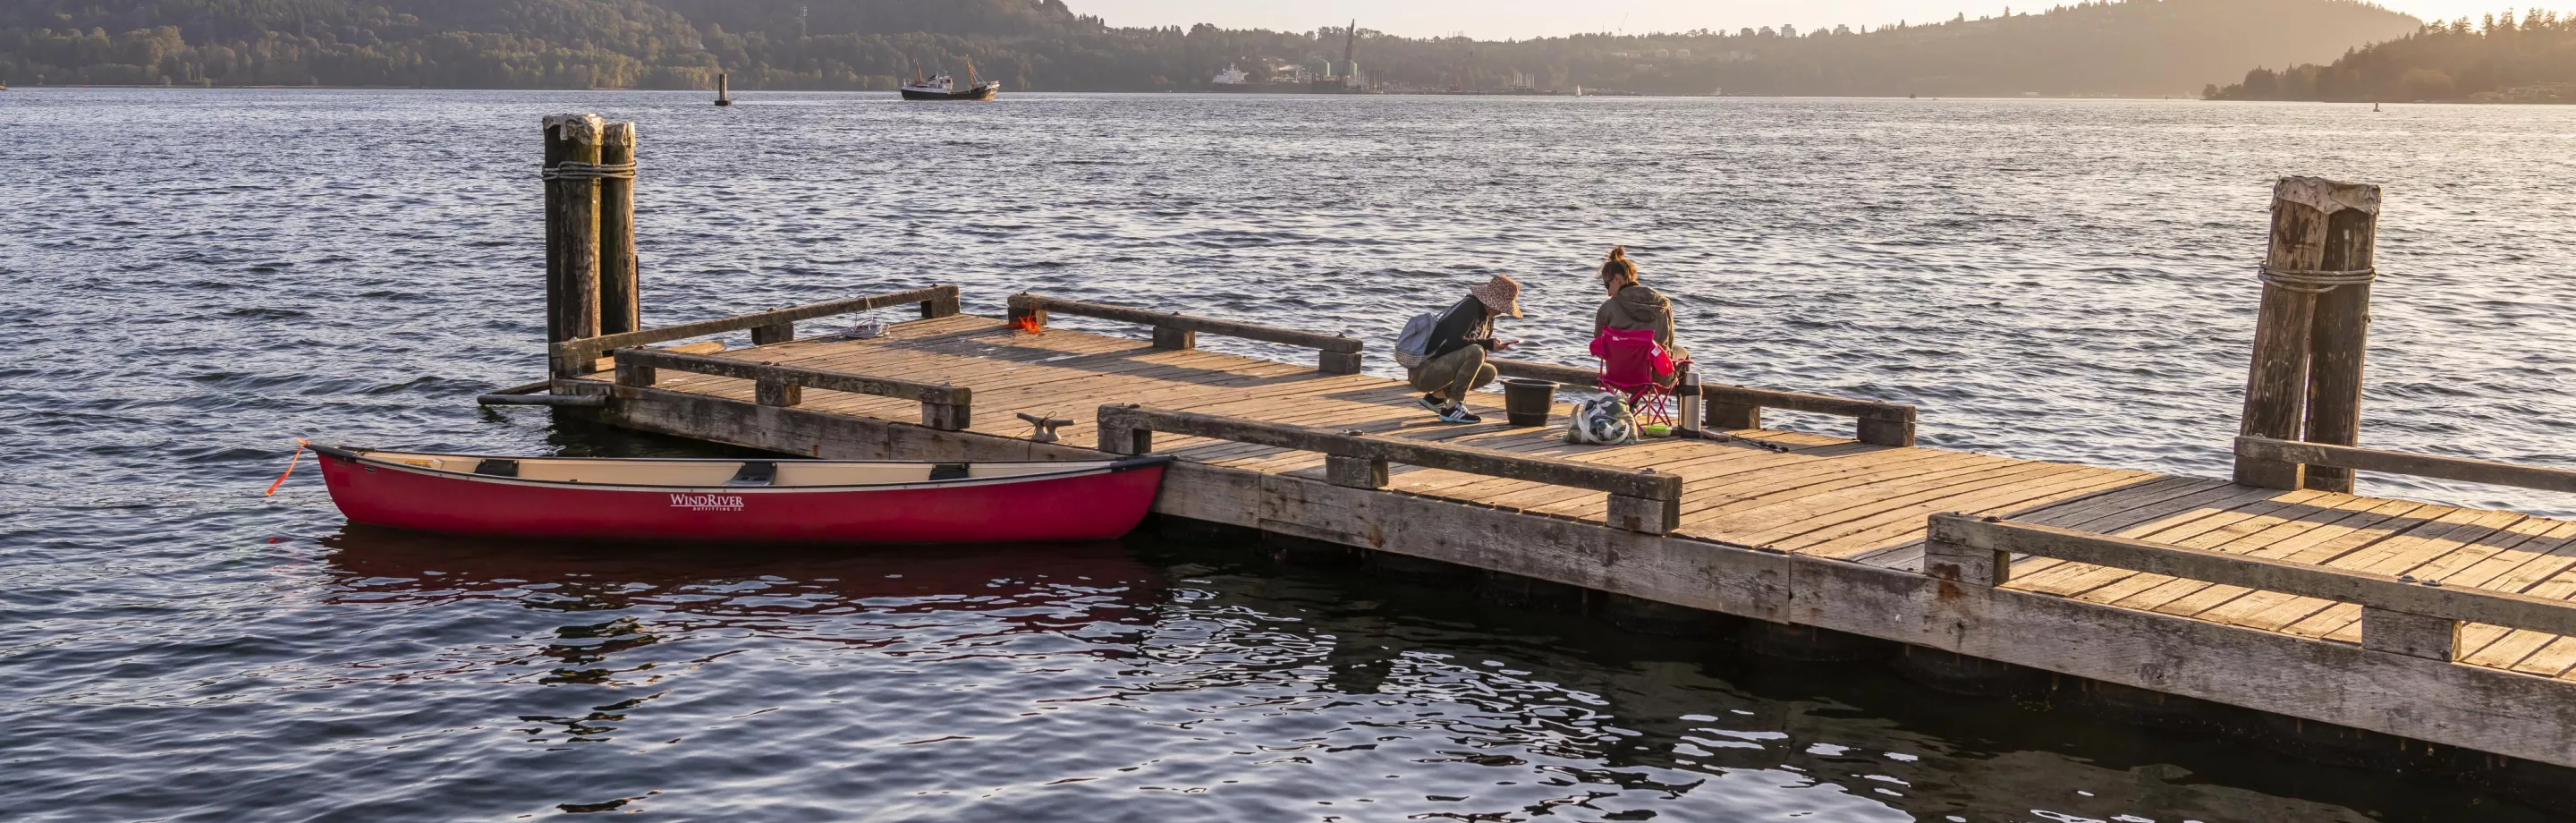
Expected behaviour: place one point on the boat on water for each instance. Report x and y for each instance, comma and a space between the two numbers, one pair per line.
743, 501
944, 87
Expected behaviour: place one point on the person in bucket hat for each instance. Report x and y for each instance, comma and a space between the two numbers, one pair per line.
1501, 295
1454, 363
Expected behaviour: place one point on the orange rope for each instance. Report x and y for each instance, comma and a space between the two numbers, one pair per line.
290, 467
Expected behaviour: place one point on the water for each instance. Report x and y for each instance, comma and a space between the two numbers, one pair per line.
193, 277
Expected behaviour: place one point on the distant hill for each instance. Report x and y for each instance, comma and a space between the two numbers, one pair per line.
2531, 61
2133, 47
2138, 47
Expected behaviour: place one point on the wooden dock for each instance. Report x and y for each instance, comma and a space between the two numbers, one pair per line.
2276, 590
1824, 531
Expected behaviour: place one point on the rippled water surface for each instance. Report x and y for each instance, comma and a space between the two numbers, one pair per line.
193, 277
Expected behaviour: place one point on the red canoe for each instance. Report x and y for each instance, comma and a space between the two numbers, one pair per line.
764, 501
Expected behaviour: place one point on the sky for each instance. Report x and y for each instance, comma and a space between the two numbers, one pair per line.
1499, 19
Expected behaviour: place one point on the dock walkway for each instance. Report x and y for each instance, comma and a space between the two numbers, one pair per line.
2273, 591
1814, 496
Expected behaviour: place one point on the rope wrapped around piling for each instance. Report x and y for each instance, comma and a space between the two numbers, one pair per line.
572, 170
2315, 282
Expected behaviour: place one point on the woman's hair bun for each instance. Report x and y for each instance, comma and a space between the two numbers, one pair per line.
1618, 265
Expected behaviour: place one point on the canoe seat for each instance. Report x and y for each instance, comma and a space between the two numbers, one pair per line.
755, 473
949, 471
497, 467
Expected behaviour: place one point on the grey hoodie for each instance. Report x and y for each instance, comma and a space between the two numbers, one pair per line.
1638, 307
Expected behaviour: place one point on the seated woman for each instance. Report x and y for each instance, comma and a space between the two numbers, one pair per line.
1634, 307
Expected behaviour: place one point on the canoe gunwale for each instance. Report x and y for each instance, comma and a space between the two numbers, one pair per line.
359, 456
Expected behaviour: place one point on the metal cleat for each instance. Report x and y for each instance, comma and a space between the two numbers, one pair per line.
1045, 426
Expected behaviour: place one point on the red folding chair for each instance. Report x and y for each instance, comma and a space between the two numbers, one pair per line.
1632, 363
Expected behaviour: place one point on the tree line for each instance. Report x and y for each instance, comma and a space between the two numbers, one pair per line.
2532, 60
2131, 47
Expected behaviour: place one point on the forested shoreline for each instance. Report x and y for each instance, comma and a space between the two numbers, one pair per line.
2128, 47
2499, 60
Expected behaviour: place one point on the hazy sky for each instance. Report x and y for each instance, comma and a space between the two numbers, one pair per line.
1497, 19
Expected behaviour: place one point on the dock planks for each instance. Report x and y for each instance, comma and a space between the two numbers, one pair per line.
1822, 497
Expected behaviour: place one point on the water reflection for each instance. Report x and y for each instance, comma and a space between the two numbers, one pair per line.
1186, 680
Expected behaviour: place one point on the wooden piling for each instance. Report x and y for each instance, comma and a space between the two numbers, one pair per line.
941, 306
2339, 331
1945, 557
1337, 362
1355, 472
1645, 515
2308, 240
554, 156
777, 393
2410, 634
620, 301
1727, 416
947, 417
1026, 311
637, 376
572, 226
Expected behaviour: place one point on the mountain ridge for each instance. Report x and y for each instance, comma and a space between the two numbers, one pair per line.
2119, 47
2503, 60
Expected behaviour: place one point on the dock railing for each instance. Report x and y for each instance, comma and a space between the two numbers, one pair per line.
1338, 354
573, 358
2419, 618
2352, 458
1641, 500
1732, 407
943, 407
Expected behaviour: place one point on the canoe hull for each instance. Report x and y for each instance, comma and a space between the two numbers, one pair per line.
1085, 506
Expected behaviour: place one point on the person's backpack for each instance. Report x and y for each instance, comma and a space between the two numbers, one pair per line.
1603, 420
1413, 345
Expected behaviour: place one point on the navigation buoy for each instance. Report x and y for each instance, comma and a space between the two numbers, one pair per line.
724, 97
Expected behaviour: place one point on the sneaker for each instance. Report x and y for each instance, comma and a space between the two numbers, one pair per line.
1458, 413
1432, 402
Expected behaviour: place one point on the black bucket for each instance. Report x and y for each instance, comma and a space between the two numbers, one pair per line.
1526, 402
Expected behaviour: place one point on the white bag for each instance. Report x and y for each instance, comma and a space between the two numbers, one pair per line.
1413, 345
1603, 420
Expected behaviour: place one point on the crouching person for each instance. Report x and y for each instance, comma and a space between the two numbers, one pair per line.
1454, 361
